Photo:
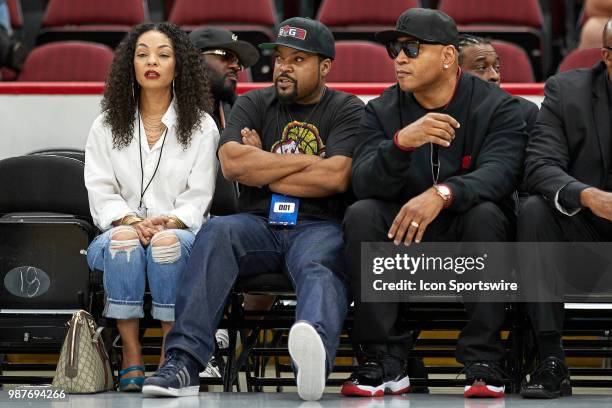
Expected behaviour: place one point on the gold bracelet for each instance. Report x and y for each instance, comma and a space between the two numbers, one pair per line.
179, 224
130, 219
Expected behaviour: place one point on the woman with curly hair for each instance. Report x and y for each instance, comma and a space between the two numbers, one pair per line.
150, 168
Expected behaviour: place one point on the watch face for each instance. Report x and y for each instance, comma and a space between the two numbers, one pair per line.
444, 191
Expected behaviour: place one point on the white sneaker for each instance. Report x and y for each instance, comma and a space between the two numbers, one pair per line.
222, 338
308, 355
212, 369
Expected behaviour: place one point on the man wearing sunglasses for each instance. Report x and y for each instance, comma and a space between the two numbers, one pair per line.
441, 153
568, 171
223, 54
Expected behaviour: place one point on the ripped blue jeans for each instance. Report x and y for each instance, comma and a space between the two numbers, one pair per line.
126, 264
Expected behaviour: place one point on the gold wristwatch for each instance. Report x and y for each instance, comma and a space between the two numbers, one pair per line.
445, 192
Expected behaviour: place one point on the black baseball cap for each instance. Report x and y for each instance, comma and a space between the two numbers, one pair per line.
427, 25
304, 34
213, 38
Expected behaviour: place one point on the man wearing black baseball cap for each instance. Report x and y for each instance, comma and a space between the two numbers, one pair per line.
440, 156
223, 54
290, 147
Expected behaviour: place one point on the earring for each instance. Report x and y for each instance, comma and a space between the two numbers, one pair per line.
445, 66
173, 87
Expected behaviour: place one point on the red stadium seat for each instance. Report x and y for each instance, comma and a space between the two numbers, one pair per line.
192, 13
252, 20
580, 58
503, 12
361, 61
519, 21
514, 61
101, 21
342, 13
360, 19
67, 61
168, 4
15, 14
108, 12
245, 76
7, 74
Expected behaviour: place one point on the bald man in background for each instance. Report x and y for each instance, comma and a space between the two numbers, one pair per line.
568, 171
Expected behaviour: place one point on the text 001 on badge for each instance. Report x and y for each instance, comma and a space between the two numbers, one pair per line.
284, 207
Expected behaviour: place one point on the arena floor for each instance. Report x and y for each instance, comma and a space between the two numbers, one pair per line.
290, 400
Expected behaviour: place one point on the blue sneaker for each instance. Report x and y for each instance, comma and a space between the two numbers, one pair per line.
177, 377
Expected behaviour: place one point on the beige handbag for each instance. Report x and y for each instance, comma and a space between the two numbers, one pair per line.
83, 366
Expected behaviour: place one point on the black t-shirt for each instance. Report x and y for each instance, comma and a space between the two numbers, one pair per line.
326, 129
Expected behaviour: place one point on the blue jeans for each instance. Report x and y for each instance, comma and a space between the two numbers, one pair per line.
311, 254
125, 272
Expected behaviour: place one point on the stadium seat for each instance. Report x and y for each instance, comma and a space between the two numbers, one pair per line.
15, 13
361, 61
67, 61
97, 21
245, 76
168, 4
76, 154
580, 58
519, 13
7, 74
519, 22
360, 19
514, 62
45, 227
242, 13
251, 20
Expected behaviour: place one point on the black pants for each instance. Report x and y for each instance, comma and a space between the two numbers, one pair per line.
379, 325
539, 221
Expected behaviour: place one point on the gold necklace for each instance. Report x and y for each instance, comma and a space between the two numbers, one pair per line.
154, 128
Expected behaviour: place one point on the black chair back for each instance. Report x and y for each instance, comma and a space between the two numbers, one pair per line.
43, 183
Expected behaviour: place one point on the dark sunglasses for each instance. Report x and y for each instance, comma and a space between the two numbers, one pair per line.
227, 56
410, 48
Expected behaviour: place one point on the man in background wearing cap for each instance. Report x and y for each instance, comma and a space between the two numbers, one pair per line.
223, 55
441, 153
290, 146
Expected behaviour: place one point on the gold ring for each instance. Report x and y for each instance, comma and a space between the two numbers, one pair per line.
414, 224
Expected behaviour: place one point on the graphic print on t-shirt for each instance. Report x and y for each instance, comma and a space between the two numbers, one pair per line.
300, 137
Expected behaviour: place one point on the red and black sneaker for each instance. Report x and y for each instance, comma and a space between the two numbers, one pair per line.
484, 380
377, 377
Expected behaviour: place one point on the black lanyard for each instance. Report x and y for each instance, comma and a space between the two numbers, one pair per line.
142, 192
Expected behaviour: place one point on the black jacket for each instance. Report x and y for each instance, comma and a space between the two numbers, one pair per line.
570, 142
530, 113
491, 134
